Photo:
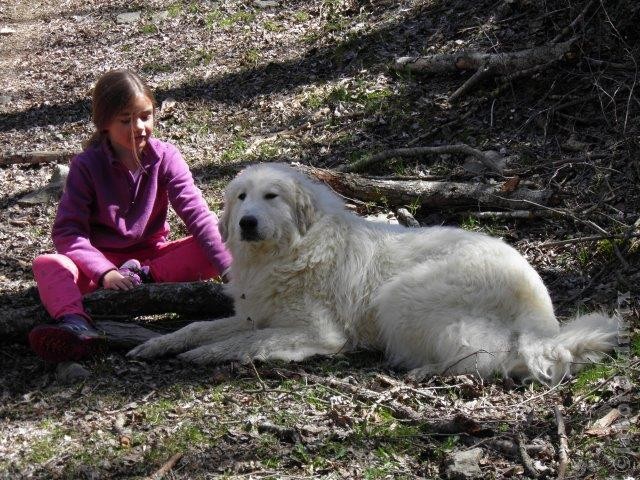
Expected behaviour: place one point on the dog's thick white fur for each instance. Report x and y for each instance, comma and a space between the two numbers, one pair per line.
309, 277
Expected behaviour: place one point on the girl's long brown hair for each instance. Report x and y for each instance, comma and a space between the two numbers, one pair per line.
114, 91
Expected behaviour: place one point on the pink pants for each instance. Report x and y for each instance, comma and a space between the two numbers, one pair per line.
61, 284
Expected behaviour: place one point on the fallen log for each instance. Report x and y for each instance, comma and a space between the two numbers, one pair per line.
58, 156
196, 299
498, 63
189, 298
123, 335
428, 194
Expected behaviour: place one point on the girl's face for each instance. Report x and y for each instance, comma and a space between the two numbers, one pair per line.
131, 128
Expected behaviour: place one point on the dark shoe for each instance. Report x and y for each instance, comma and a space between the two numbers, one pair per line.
136, 272
72, 338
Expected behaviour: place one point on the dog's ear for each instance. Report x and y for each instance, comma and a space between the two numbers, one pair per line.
305, 210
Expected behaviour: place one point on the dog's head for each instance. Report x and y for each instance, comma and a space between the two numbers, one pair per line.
269, 203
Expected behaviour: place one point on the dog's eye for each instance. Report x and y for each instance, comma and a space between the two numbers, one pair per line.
242, 196
270, 196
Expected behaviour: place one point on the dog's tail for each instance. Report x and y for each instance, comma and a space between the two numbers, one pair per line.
582, 341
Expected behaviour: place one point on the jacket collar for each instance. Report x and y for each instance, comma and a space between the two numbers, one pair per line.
149, 153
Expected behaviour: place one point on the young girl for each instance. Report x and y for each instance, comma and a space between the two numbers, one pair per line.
111, 227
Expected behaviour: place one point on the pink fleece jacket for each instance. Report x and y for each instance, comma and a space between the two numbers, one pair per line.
105, 207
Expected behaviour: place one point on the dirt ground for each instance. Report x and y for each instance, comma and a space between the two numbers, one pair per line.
313, 82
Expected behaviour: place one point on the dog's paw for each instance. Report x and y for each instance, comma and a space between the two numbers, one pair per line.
199, 356
150, 349
213, 353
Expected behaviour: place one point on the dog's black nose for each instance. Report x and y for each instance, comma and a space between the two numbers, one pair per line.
248, 222
248, 227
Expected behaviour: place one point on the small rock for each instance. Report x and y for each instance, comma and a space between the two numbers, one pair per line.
405, 218
7, 31
59, 174
129, 17
167, 107
51, 192
463, 465
5, 99
389, 218
71, 372
498, 161
265, 3
159, 17
574, 145
474, 166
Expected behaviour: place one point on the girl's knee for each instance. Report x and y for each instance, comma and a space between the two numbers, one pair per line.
50, 261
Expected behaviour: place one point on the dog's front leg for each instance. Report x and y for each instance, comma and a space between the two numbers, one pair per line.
268, 344
189, 337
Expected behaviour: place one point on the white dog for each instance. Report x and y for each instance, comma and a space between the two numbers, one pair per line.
308, 278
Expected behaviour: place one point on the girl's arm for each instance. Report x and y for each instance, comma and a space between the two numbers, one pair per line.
71, 229
186, 199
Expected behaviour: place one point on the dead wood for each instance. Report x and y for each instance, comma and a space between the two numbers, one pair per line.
166, 467
189, 298
513, 214
59, 156
200, 299
403, 411
123, 335
563, 451
489, 159
591, 238
526, 459
427, 193
482, 73
498, 63
572, 26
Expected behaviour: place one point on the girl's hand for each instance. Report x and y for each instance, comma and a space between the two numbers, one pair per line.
114, 280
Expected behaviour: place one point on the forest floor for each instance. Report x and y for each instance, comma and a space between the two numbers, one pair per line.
242, 82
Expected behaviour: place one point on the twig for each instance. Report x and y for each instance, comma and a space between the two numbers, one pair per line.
526, 214
470, 110
265, 389
605, 63
527, 400
526, 459
169, 464
461, 149
483, 72
592, 238
601, 384
568, 214
563, 454
403, 410
476, 353
263, 386
572, 25
383, 397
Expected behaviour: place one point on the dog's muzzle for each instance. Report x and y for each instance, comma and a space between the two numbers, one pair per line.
249, 228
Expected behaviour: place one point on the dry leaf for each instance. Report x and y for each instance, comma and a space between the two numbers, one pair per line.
510, 184
602, 426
